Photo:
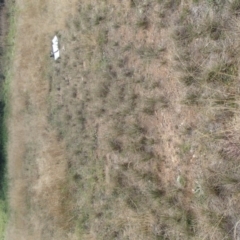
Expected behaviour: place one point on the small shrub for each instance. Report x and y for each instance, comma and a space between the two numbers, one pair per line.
227, 101
1, 51
216, 3
184, 35
74, 93
118, 127
188, 80
128, 72
102, 37
184, 149
193, 69
171, 4
231, 150
133, 3
163, 102
143, 23
224, 115
77, 24
212, 28
102, 89
158, 193
223, 73
215, 31
192, 98
2, 77
98, 19
149, 106
115, 145
147, 155
135, 130
122, 62
134, 197
150, 52
191, 220
235, 7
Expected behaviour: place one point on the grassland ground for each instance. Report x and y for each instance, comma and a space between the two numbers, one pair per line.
134, 132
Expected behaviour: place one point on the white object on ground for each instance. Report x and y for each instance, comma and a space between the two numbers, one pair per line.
55, 48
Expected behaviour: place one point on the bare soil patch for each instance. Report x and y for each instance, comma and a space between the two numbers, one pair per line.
36, 158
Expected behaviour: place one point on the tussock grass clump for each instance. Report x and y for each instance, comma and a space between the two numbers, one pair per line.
192, 98
150, 52
98, 19
135, 130
214, 27
152, 104
172, 4
163, 102
143, 23
188, 80
149, 106
184, 35
223, 73
235, 7
102, 89
115, 145
215, 31
231, 149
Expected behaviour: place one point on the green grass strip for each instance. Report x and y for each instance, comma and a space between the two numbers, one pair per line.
4, 114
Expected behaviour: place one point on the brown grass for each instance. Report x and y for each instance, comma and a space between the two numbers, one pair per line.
37, 166
133, 133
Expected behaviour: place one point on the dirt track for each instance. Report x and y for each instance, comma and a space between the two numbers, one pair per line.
36, 157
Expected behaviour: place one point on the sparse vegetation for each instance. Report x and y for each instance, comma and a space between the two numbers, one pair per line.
223, 73
133, 133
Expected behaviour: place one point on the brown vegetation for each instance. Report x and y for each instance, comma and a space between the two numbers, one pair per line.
36, 158
133, 133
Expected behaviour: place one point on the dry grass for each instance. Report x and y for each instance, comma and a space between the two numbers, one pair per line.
133, 133
136, 111
36, 163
